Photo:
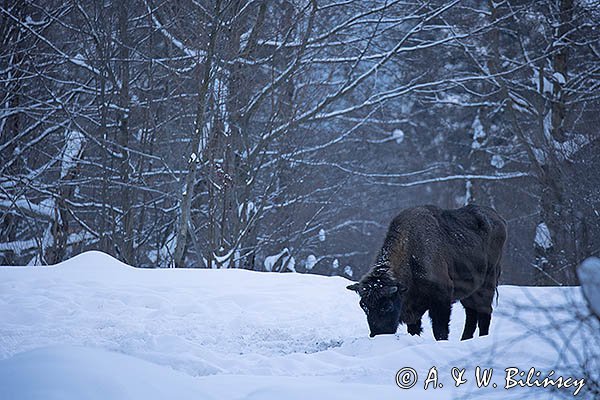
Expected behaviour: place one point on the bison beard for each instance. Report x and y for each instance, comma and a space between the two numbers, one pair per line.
430, 258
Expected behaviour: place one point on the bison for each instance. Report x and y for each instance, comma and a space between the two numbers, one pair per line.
431, 258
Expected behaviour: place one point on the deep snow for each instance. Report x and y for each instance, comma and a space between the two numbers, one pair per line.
94, 328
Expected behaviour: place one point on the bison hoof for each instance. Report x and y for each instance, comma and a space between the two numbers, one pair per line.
414, 329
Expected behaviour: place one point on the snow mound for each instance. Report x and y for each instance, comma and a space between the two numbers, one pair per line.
93, 260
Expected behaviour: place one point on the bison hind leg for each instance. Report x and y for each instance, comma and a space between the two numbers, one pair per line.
478, 310
483, 320
470, 323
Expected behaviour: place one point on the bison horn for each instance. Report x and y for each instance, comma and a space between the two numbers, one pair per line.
353, 287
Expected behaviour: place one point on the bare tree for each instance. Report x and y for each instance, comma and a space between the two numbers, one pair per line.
284, 135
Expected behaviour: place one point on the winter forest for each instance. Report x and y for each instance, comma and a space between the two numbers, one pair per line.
285, 135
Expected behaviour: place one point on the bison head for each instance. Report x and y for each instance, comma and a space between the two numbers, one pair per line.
381, 301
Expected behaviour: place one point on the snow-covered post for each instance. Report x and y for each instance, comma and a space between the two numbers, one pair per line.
589, 277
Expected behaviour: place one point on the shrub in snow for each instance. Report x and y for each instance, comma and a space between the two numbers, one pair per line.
322, 235
398, 135
542, 236
74, 144
250, 209
497, 161
310, 262
478, 133
280, 261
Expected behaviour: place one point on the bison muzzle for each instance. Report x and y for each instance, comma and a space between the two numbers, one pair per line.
431, 258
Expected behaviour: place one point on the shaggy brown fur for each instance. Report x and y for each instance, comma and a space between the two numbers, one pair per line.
430, 258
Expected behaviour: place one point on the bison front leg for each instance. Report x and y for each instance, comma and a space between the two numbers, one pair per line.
440, 319
415, 329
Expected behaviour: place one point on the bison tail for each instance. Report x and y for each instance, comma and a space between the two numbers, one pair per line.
497, 295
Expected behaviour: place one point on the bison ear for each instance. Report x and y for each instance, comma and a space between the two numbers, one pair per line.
353, 287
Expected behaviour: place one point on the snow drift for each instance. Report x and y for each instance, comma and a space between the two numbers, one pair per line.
94, 328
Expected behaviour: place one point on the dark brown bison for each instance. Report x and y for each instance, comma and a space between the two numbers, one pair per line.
430, 258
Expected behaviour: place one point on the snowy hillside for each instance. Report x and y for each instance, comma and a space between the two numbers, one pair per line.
94, 328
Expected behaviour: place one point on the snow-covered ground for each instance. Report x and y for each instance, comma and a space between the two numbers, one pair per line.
94, 328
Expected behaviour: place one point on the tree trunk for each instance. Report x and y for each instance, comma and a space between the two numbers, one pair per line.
126, 248
196, 147
560, 62
556, 263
